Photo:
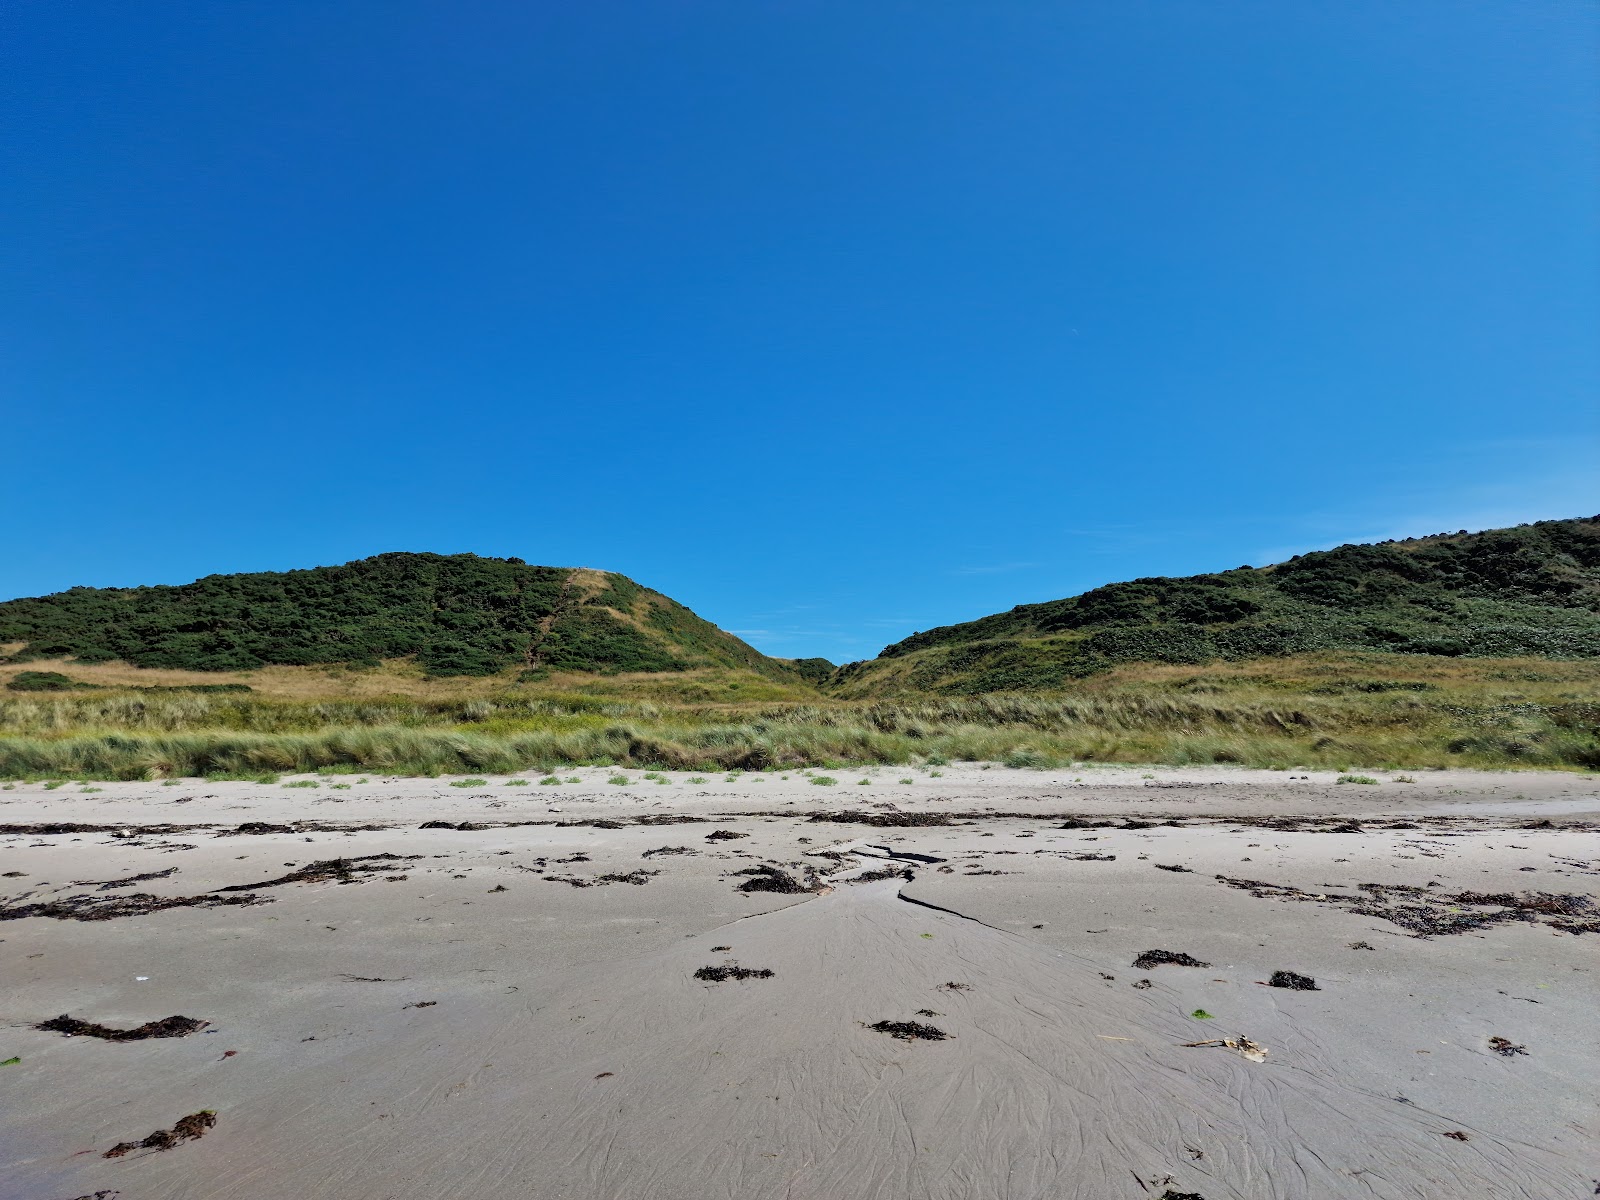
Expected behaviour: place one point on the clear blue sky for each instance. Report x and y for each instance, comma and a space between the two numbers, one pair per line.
834, 320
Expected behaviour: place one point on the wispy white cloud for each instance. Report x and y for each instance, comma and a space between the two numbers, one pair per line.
995, 568
1532, 480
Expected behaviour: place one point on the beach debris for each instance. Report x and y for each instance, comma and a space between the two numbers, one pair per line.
420, 1004
1169, 1194
1254, 1051
1293, 981
1201, 1014
605, 1075
338, 870
637, 878
732, 970
187, 1129
928, 1012
714, 949
372, 979
1457, 1135
105, 885
1360, 945
108, 1194
955, 987
668, 850
256, 827
1506, 1048
883, 820
12, 1061
1172, 867
909, 1031
1156, 958
108, 908
1433, 912
166, 1027
724, 835
1144, 983
770, 879
880, 873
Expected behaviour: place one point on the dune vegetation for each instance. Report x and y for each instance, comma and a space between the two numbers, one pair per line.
1529, 591
1342, 711
1479, 650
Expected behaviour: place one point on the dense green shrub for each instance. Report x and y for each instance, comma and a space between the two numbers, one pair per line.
1529, 591
455, 614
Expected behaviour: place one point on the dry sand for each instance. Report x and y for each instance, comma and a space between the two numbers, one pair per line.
462, 1020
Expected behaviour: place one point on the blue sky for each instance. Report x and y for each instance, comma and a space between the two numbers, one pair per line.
832, 320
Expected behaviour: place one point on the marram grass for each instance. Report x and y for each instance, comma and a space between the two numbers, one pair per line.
1221, 720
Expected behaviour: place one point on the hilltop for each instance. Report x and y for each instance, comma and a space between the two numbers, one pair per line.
451, 615
1528, 591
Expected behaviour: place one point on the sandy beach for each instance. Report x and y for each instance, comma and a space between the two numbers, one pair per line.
414, 990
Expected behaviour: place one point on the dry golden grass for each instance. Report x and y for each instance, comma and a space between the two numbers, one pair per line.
1337, 710
403, 679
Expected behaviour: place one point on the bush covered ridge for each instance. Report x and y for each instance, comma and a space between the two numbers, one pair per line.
1533, 590
454, 614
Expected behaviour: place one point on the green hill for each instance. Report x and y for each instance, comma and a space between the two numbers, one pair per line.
453, 614
1533, 590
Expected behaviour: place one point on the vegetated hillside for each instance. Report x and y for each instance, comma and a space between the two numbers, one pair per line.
1533, 590
454, 614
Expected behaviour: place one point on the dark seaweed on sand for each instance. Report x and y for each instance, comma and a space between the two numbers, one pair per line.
892, 820
107, 908
1289, 979
187, 1129
720, 974
637, 878
878, 873
339, 870
106, 885
1157, 958
1506, 1048
166, 1027
909, 1031
1433, 913
770, 879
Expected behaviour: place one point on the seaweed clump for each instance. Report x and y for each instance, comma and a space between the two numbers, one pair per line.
1296, 982
771, 879
909, 1031
108, 908
727, 971
187, 1129
1157, 958
166, 1027
1426, 913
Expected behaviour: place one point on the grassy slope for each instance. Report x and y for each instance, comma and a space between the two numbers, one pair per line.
1529, 591
450, 615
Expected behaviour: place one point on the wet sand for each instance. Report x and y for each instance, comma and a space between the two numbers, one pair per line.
484, 1013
